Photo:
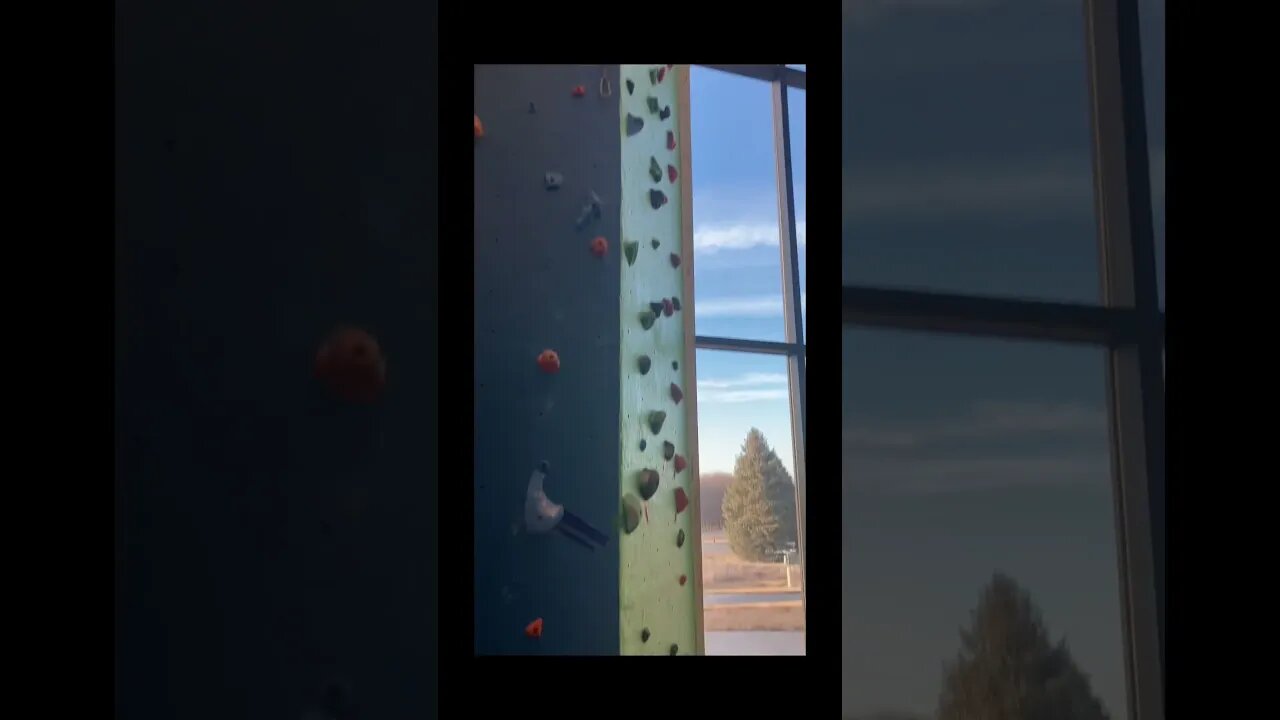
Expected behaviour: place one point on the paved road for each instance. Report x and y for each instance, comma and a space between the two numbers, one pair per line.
754, 643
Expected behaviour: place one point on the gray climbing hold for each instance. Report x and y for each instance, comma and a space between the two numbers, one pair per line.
653, 104
634, 124
647, 483
654, 242
666, 113
554, 180
630, 513
631, 87
629, 250
675, 302
656, 307
646, 319
656, 418
668, 450
657, 199
655, 170
643, 362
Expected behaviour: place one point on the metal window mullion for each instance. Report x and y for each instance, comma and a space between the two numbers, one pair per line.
768, 73
1135, 387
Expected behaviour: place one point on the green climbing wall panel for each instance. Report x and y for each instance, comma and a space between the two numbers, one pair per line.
658, 600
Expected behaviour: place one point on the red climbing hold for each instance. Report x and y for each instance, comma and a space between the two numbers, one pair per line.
600, 246
683, 579
667, 307
549, 361
479, 127
680, 463
351, 365
671, 140
676, 394
662, 72
682, 500
579, 90
534, 629
675, 260
671, 173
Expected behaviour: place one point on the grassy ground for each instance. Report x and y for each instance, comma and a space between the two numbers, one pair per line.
724, 573
754, 616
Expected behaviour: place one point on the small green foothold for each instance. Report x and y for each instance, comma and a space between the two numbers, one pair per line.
680, 539
656, 308
656, 418
643, 362
644, 635
675, 648
653, 78
630, 250
668, 450
648, 483
675, 365
646, 319
630, 513
643, 444
655, 170
653, 104
631, 87
675, 303
654, 242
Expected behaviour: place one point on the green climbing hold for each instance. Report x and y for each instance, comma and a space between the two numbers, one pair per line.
654, 242
630, 250
646, 319
668, 450
653, 78
675, 365
675, 648
656, 418
631, 87
644, 362
644, 635
648, 483
630, 513
675, 303
643, 444
653, 104
656, 307
655, 170
680, 539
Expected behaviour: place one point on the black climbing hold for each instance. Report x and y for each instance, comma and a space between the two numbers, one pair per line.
630, 513
668, 450
648, 483
644, 634
675, 303
629, 250
676, 394
675, 648
653, 104
655, 170
646, 319
656, 307
631, 87
643, 362
657, 198
675, 365
653, 77
666, 113
554, 180
675, 260
654, 242
634, 124
656, 418
680, 539
532, 108
643, 444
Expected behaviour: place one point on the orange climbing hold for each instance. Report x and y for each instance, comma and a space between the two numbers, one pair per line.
479, 127
549, 361
534, 629
600, 246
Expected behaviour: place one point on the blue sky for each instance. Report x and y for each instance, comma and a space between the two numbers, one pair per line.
737, 278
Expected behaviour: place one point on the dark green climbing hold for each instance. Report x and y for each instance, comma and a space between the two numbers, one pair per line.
674, 648
648, 483
657, 199
656, 418
634, 124
631, 87
656, 307
675, 365
668, 450
680, 539
675, 260
644, 634
630, 513
643, 444
655, 170
654, 242
643, 363
630, 250
653, 104
653, 77
675, 303
666, 113
646, 319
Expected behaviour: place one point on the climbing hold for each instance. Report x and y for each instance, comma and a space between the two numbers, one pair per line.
533, 109
634, 124
683, 580
680, 538
644, 633
655, 170
553, 180
662, 72
646, 319
656, 307
656, 418
675, 648
549, 361
594, 201
671, 173
657, 198
668, 450
351, 365
653, 77
534, 629
680, 463
654, 242
671, 140
667, 307
682, 500
629, 249
599, 246
666, 113
676, 395
652, 102
579, 90
479, 127
631, 87
643, 444
630, 513
643, 363
675, 365
675, 260
648, 483
675, 303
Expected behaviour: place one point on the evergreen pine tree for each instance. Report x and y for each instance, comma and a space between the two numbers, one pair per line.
759, 506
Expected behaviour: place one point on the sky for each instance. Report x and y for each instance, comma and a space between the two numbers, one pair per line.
737, 270
966, 168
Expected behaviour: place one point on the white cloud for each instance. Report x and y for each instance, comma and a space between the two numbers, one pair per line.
714, 237
751, 306
744, 380
748, 387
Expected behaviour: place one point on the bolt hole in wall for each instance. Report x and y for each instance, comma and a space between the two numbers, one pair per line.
751, 590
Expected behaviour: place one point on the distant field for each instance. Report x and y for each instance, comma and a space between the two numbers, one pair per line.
724, 574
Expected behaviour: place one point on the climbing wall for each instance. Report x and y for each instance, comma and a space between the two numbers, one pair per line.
657, 586
547, 188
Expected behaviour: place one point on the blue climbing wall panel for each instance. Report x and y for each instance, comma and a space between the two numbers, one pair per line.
540, 286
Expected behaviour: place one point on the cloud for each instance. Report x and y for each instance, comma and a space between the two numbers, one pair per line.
751, 306
714, 237
748, 387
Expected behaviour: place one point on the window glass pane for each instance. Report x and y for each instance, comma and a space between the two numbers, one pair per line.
970, 467
751, 582
796, 110
1151, 21
796, 67
967, 149
737, 267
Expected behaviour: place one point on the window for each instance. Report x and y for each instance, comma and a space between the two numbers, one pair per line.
747, 145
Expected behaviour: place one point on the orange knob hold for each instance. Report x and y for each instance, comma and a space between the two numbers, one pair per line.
600, 246
479, 127
549, 361
351, 365
534, 629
